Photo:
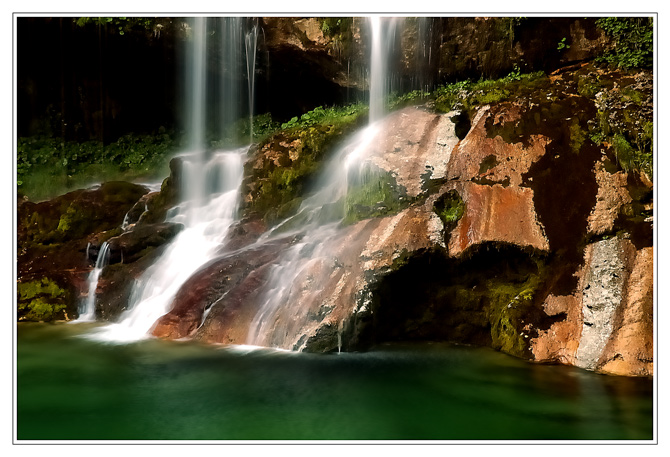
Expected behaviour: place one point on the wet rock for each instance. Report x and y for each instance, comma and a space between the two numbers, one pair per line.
630, 350
415, 147
487, 160
601, 296
132, 244
496, 213
116, 281
210, 289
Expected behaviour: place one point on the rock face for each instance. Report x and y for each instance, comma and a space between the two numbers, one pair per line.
518, 223
54, 238
480, 252
609, 324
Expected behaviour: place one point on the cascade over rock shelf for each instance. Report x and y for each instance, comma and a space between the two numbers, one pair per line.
501, 224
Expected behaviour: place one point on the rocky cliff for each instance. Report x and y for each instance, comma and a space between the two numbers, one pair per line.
516, 219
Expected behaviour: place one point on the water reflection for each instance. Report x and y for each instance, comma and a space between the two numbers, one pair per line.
73, 388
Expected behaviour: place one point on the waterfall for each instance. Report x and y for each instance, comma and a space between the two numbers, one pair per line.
250, 41
206, 227
320, 215
209, 196
87, 307
382, 39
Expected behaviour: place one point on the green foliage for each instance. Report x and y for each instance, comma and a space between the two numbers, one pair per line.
238, 133
330, 115
562, 45
48, 166
468, 94
633, 41
397, 101
508, 27
339, 30
123, 24
630, 158
333, 26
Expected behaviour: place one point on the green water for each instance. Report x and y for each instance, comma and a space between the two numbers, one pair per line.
74, 389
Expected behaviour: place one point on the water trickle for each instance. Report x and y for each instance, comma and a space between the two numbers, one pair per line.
251, 40
124, 227
87, 307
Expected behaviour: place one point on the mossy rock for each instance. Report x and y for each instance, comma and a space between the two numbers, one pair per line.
42, 300
285, 166
374, 194
77, 214
490, 296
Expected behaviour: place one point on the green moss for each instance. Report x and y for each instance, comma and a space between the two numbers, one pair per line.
589, 85
450, 207
468, 94
298, 152
490, 296
376, 194
508, 306
40, 300
628, 94
577, 136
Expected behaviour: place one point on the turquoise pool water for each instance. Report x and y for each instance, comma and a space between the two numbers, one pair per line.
72, 388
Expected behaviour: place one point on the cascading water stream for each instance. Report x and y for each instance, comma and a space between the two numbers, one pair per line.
320, 215
205, 229
210, 198
87, 307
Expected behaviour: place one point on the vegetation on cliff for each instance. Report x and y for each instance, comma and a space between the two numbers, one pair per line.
633, 41
288, 160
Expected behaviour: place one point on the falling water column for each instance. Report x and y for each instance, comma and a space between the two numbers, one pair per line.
196, 80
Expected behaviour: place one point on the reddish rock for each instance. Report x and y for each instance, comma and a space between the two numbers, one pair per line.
559, 343
496, 213
612, 196
208, 285
415, 146
492, 160
614, 299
